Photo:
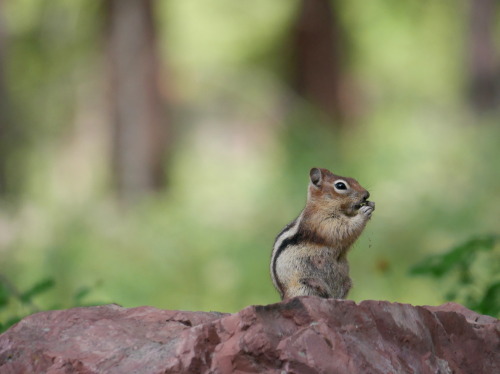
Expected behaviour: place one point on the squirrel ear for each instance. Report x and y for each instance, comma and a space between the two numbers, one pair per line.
315, 175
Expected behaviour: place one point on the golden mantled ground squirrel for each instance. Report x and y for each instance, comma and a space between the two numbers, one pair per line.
309, 254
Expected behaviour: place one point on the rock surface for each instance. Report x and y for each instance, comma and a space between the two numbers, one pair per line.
301, 335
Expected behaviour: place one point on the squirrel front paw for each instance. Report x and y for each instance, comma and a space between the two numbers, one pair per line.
367, 209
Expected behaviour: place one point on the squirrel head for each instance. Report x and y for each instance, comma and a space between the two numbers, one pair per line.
334, 194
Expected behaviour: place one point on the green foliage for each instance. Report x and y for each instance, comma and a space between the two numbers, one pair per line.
4, 295
39, 288
478, 291
14, 304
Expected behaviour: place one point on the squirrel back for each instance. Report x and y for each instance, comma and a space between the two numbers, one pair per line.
309, 254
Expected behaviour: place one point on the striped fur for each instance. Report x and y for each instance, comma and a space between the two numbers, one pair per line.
309, 254
281, 242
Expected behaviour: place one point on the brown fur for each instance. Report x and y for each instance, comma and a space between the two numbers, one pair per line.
310, 257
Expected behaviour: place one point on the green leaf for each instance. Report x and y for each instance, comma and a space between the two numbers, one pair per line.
80, 294
490, 303
4, 295
450, 296
37, 289
462, 254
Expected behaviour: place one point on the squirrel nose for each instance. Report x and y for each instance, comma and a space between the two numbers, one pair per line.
366, 195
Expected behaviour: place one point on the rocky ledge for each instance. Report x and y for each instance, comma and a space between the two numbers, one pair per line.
301, 335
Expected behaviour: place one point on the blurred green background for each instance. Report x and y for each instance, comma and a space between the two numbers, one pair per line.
150, 151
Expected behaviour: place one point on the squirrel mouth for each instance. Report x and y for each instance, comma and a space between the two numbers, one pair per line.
364, 203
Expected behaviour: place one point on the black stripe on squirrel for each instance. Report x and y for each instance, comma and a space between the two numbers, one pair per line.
309, 254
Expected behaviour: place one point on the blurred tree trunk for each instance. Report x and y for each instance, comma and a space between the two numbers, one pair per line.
138, 110
483, 62
317, 44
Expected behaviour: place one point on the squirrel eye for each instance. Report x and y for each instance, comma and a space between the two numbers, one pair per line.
340, 186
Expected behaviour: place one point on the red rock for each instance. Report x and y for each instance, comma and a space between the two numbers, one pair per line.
301, 335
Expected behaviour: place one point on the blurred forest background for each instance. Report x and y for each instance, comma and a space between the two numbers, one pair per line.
150, 151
